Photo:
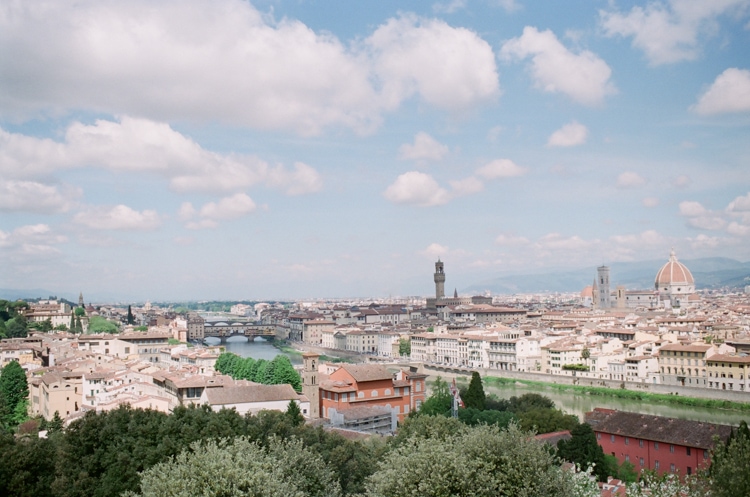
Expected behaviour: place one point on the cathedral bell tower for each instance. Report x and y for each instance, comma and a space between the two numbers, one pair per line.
439, 280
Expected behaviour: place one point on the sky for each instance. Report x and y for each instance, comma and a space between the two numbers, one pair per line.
227, 149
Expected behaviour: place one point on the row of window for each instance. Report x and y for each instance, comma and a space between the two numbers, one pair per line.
641, 443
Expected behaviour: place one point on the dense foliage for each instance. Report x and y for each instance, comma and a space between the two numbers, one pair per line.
14, 392
583, 450
13, 323
98, 324
275, 372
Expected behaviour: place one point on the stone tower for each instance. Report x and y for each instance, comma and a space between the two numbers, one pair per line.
439, 280
310, 387
602, 280
80, 299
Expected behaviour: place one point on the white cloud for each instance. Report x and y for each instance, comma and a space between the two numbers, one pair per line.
31, 196
584, 77
650, 202
730, 92
501, 168
740, 204
450, 68
418, 189
691, 208
229, 207
569, 135
508, 5
142, 146
668, 33
630, 179
30, 241
119, 217
224, 61
704, 242
434, 251
509, 240
304, 179
738, 229
556, 241
425, 147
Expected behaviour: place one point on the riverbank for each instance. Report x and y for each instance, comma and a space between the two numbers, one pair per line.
292, 350
620, 393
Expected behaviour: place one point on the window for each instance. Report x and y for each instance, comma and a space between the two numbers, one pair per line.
627, 441
640, 443
598, 436
656, 445
627, 458
612, 438
671, 448
374, 393
656, 465
641, 461
705, 454
688, 450
689, 470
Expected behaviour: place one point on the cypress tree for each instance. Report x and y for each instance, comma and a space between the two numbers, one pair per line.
475, 396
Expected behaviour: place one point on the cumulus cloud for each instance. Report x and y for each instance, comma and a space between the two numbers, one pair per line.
417, 188
421, 189
738, 229
556, 241
225, 61
584, 77
570, 135
704, 242
740, 204
424, 148
630, 179
142, 146
700, 217
31, 196
501, 168
233, 207
449, 7
670, 32
730, 92
450, 68
30, 241
434, 251
119, 217
509, 240
650, 202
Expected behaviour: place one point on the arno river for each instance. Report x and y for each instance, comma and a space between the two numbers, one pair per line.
569, 402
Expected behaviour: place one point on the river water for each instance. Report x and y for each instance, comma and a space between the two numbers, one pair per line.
579, 404
257, 349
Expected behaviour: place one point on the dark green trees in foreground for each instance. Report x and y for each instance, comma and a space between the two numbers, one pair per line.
14, 392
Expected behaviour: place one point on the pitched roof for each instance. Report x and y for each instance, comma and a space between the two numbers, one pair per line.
367, 372
657, 428
250, 394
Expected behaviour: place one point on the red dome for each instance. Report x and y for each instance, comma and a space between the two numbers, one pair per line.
673, 273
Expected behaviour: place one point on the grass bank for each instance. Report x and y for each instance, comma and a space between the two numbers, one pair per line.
291, 351
621, 393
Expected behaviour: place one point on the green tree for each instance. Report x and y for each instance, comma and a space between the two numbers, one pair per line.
473, 417
583, 449
98, 324
529, 401
729, 462
404, 346
16, 327
79, 312
130, 318
227, 363
55, 425
585, 353
72, 322
284, 372
440, 401
477, 461
294, 413
14, 391
546, 420
475, 397
78, 326
241, 467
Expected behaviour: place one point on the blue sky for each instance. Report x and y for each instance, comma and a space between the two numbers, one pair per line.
232, 150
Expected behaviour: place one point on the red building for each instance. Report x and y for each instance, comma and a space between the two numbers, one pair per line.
371, 385
666, 445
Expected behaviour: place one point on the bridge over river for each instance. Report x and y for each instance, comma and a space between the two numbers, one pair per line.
226, 329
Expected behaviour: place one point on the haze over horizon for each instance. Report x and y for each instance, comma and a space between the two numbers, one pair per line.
276, 149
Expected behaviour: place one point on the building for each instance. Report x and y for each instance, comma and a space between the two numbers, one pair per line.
675, 282
665, 445
310, 387
440, 302
255, 398
684, 365
728, 372
602, 298
367, 385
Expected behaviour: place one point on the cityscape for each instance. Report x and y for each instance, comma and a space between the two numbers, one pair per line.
384, 249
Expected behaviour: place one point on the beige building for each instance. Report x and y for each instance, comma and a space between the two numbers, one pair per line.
684, 365
52, 392
728, 372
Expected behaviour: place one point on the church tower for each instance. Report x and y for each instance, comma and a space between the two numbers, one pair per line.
602, 280
439, 280
310, 387
80, 299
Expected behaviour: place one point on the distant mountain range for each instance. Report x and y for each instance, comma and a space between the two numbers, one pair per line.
710, 272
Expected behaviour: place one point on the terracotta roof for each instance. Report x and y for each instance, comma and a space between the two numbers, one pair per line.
250, 394
657, 428
367, 372
729, 358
